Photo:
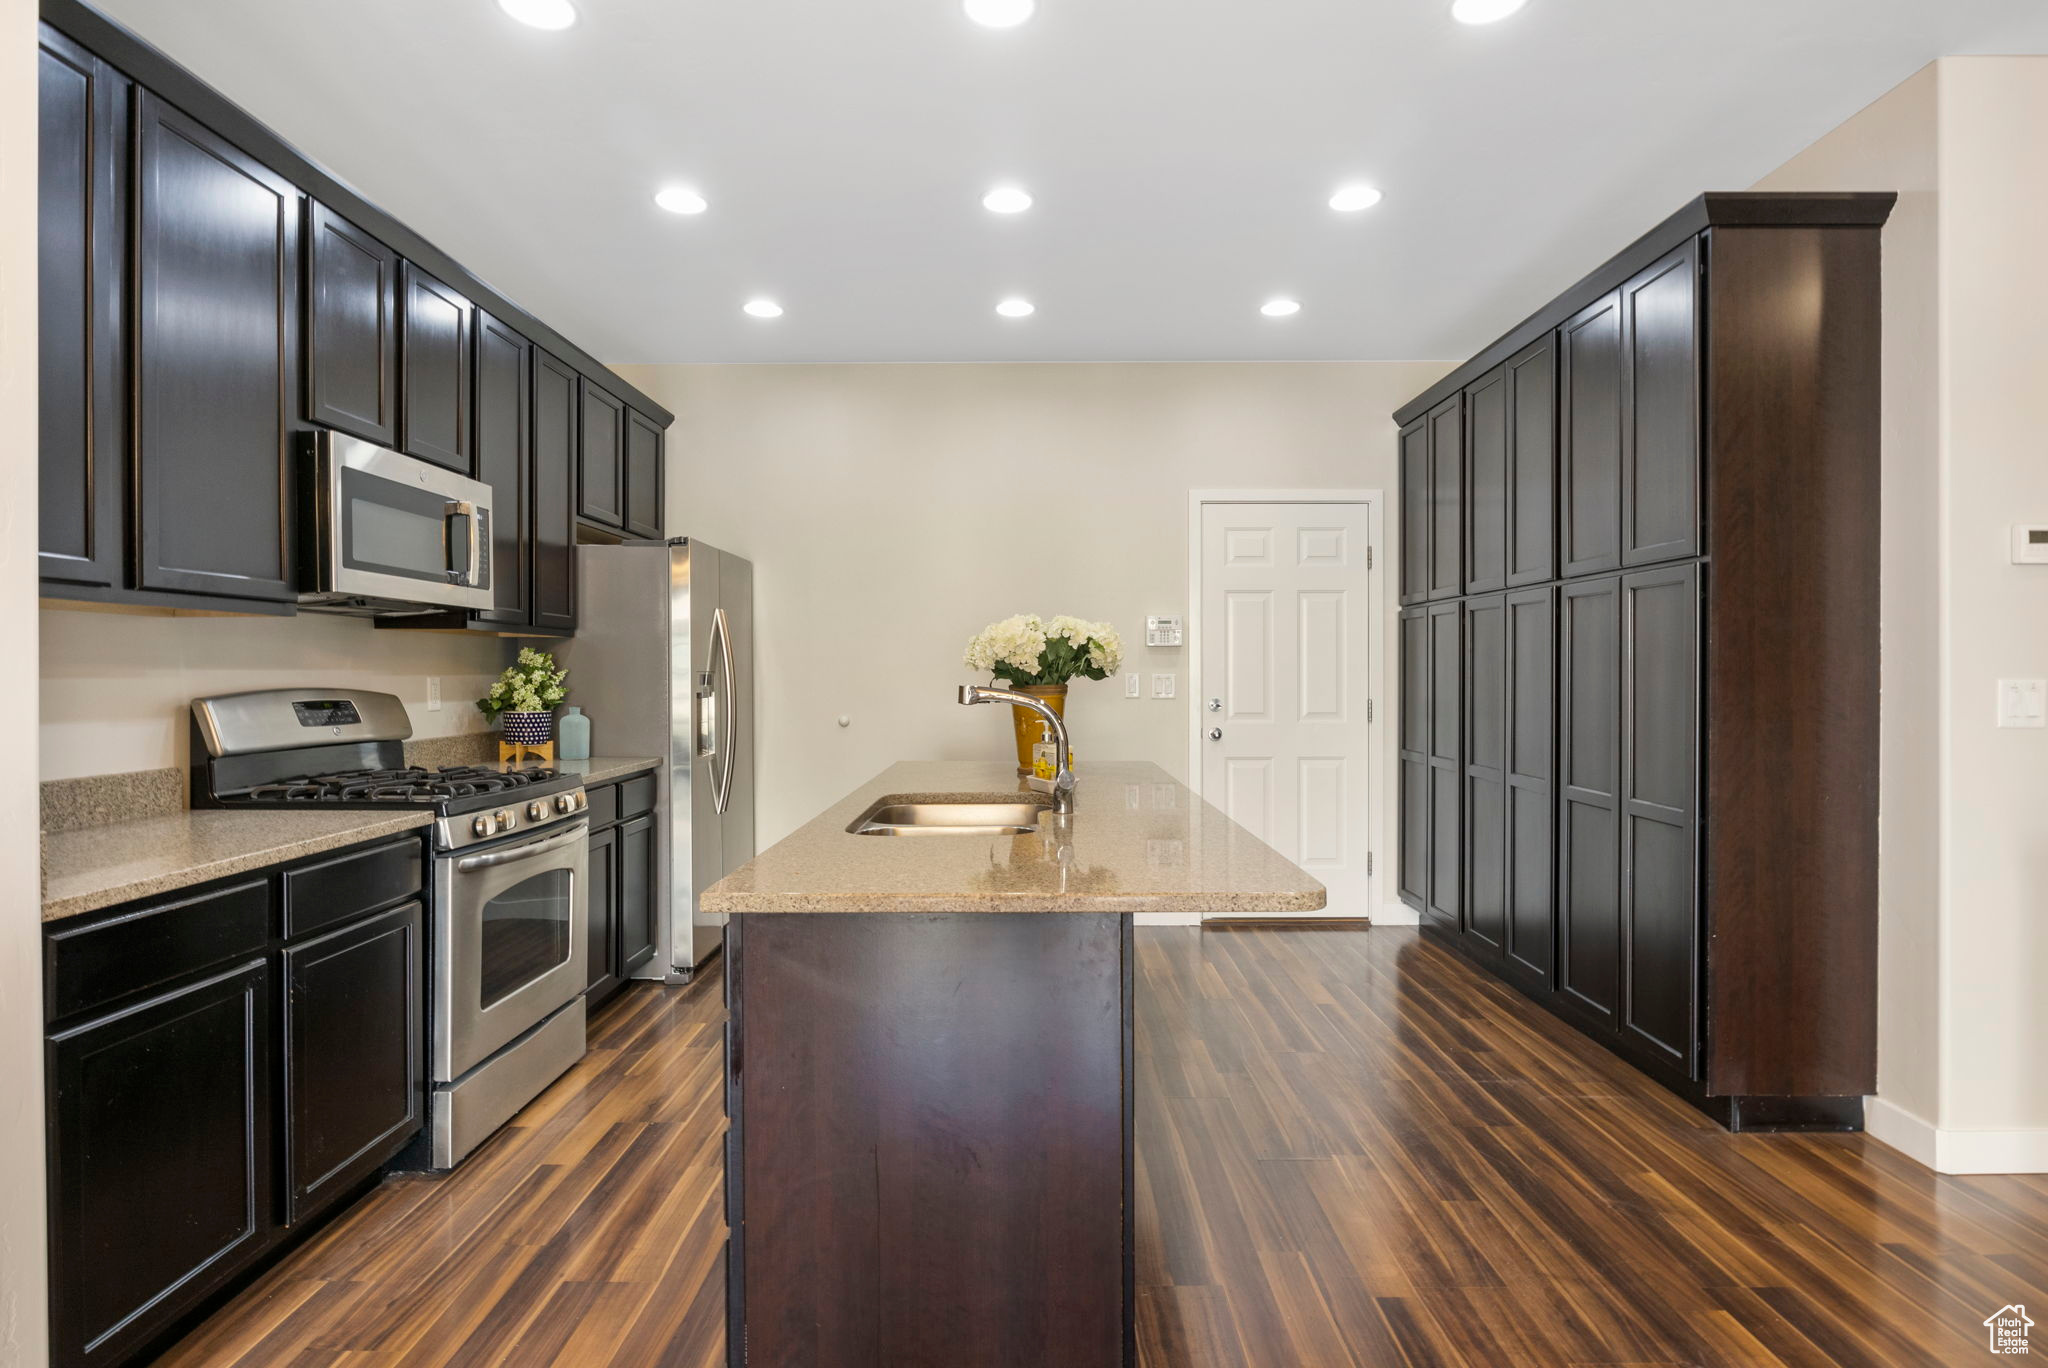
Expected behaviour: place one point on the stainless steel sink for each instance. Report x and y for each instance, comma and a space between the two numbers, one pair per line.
974, 818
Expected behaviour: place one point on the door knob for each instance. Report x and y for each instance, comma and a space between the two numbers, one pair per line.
1215, 733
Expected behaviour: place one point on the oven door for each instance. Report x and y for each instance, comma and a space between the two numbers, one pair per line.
508, 941
388, 527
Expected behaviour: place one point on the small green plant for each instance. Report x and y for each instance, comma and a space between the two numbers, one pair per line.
532, 684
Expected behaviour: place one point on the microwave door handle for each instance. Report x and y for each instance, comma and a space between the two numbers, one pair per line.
464, 509
470, 863
730, 690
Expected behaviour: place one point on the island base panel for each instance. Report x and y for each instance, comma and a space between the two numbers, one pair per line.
930, 1156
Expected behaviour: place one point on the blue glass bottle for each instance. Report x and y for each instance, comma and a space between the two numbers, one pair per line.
572, 734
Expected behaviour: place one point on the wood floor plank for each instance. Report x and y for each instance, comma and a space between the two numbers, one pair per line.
1354, 1151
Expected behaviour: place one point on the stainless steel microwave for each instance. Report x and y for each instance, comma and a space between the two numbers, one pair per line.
389, 534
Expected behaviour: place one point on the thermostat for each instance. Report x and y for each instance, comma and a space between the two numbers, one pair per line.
1165, 631
2029, 546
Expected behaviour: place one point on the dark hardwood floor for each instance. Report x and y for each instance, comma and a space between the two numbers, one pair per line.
1352, 1150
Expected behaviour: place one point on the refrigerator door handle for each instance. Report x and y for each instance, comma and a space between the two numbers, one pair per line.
722, 632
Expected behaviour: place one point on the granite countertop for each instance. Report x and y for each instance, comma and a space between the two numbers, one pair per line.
602, 769
1137, 842
95, 867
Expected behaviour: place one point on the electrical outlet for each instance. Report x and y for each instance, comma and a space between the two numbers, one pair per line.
1162, 686
433, 693
1131, 689
2023, 703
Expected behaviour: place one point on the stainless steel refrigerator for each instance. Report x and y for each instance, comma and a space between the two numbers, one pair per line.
663, 662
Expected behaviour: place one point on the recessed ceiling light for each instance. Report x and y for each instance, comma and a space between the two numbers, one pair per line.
1484, 11
1353, 198
999, 13
1016, 308
763, 308
677, 200
541, 14
1280, 308
1007, 199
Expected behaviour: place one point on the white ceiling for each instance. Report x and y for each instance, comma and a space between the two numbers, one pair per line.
1181, 151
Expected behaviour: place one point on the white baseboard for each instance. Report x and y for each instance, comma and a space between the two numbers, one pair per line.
1166, 919
1955, 1151
1397, 914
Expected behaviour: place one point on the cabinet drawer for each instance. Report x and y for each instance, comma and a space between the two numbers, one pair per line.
604, 805
636, 795
85, 966
351, 883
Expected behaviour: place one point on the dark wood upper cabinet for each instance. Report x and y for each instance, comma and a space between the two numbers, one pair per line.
354, 1082
601, 478
217, 283
643, 475
351, 328
434, 357
1415, 709
160, 1161
1446, 763
1532, 464
1531, 749
1415, 511
1486, 484
82, 262
1589, 817
1659, 812
1447, 499
504, 461
1486, 792
1661, 411
553, 542
1589, 439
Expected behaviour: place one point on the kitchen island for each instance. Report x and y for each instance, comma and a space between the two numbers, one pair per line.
928, 1081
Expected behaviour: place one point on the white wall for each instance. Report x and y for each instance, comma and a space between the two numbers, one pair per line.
23, 1330
117, 687
1963, 1048
892, 511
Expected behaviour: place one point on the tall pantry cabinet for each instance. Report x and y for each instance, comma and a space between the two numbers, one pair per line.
1639, 639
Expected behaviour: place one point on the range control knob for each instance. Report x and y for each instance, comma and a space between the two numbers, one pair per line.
582, 800
564, 803
504, 818
481, 826
536, 810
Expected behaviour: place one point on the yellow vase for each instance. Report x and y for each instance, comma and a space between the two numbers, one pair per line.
1030, 726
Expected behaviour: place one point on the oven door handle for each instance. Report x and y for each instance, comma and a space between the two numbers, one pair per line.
526, 852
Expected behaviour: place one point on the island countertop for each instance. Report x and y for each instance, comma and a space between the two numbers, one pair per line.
1137, 841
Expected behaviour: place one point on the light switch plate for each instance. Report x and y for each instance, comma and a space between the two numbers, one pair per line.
433, 693
2023, 702
1131, 685
1162, 686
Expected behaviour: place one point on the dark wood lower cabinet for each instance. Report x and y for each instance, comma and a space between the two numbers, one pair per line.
602, 945
1444, 904
1589, 820
911, 1185
638, 850
1531, 816
160, 1160
624, 874
1486, 790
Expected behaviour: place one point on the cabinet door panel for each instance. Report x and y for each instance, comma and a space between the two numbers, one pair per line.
351, 328
601, 482
603, 944
160, 1160
81, 259
1447, 499
217, 351
1660, 739
1590, 439
1589, 742
1415, 511
354, 1056
435, 357
503, 461
1486, 484
637, 848
1414, 742
1661, 427
643, 476
1446, 778
554, 493
1531, 748
1532, 464
1486, 774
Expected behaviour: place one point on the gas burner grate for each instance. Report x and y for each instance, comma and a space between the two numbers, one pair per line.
410, 785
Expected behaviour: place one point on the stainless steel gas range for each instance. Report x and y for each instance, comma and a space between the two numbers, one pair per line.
511, 872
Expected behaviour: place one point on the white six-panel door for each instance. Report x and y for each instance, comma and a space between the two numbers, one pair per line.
1283, 686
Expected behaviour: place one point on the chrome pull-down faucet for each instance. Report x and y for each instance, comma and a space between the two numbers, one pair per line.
1063, 761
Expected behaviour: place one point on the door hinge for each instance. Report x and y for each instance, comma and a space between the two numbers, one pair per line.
1368, 864
1368, 558
1368, 712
